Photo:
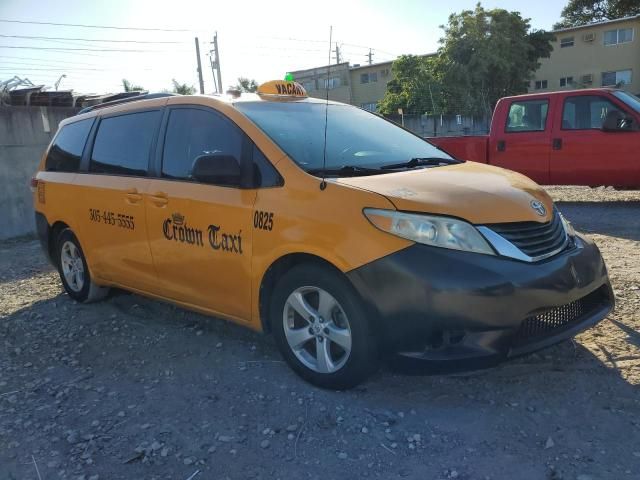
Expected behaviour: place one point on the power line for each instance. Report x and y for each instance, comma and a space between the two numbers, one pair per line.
96, 26
88, 39
93, 49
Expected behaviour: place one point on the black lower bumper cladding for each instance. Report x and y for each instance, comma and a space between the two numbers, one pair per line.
465, 309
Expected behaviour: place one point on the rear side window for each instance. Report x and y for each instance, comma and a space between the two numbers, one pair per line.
192, 133
66, 151
585, 112
527, 116
123, 144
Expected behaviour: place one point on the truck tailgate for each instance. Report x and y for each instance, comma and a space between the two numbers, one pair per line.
472, 147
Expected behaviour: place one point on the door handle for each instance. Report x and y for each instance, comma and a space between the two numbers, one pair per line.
557, 144
502, 145
160, 199
133, 196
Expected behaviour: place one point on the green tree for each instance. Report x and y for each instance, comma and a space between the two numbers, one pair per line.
246, 85
583, 12
183, 88
414, 87
130, 87
486, 55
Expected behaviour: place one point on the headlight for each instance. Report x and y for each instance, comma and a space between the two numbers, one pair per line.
442, 232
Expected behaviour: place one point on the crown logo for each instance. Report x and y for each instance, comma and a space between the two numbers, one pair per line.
177, 218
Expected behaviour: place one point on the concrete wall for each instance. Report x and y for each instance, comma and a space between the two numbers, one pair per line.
25, 133
443, 126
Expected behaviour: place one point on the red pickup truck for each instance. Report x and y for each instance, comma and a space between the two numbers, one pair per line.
580, 137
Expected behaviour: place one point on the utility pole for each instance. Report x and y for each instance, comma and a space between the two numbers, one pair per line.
338, 59
217, 61
370, 55
199, 66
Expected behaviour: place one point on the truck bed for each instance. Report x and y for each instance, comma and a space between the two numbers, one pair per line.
471, 147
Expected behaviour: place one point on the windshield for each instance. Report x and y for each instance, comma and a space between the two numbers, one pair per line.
629, 99
355, 138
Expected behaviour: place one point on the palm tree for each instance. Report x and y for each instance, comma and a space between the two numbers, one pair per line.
183, 88
130, 87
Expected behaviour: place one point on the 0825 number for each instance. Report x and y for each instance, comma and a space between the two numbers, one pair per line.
263, 220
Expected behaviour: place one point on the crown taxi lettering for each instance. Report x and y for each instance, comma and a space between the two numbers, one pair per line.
177, 229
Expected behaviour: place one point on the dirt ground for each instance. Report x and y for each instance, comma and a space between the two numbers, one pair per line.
131, 388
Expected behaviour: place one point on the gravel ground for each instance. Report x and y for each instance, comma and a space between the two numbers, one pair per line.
132, 388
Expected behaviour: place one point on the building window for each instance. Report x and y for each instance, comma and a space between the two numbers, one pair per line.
620, 35
566, 81
369, 77
309, 85
331, 83
372, 107
566, 42
541, 84
384, 72
612, 79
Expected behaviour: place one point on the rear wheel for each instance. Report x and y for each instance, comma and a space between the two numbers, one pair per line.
73, 270
321, 328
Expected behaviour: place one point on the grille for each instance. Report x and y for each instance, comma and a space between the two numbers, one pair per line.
532, 238
558, 318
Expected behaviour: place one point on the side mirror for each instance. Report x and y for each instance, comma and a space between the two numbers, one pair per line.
616, 121
217, 169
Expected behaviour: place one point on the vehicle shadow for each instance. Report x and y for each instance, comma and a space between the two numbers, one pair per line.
616, 219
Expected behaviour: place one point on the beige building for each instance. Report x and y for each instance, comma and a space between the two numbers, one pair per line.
604, 54
360, 85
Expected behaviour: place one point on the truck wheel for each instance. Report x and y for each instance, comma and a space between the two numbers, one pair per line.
321, 329
73, 270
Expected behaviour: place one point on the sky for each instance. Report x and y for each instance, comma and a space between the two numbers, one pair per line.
257, 39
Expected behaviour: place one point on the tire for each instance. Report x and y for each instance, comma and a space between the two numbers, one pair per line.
337, 352
73, 270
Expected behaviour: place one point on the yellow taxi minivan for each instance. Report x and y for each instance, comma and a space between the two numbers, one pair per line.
344, 235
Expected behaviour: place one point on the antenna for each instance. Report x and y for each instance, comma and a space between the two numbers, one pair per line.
323, 183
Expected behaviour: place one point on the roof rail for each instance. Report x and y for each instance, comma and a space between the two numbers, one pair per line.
147, 96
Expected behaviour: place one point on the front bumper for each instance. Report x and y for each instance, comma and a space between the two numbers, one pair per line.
444, 305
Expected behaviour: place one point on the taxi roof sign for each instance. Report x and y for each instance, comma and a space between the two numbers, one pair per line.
282, 88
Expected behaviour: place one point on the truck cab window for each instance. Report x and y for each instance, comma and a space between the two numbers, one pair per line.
585, 112
527, 116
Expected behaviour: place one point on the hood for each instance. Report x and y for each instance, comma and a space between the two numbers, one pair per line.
478, 193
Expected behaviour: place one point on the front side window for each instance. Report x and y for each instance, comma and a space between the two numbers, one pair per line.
192, 133
585, 112
612, 79
123, 143
66, 151
527, 116
355, 138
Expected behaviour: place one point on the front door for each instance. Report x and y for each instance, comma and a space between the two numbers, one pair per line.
584, 154
201, 233
110, 202
524, 145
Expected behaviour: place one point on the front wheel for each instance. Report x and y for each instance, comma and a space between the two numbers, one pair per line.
321, 328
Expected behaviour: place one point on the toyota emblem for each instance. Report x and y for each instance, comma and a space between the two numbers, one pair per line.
538, 206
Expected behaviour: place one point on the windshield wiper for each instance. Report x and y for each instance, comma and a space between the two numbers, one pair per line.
346, 170
422, 162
